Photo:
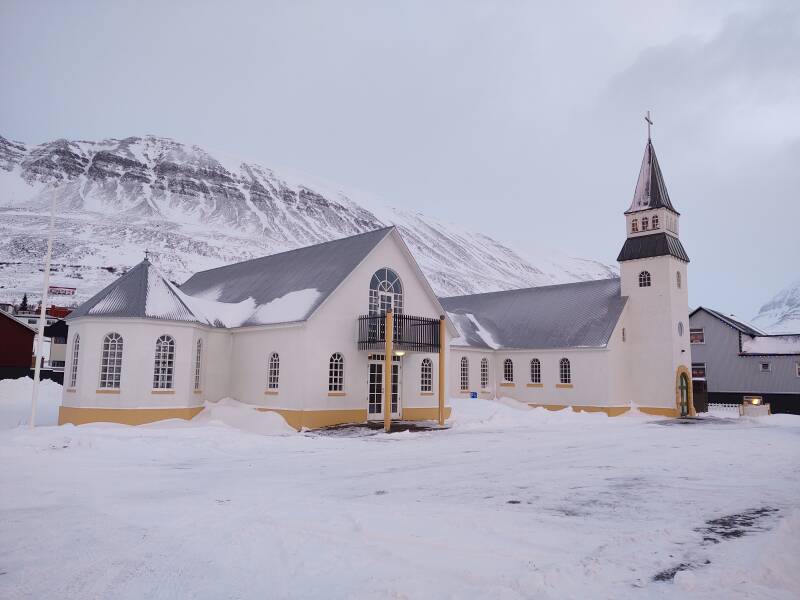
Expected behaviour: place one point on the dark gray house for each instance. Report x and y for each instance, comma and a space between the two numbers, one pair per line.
732, 360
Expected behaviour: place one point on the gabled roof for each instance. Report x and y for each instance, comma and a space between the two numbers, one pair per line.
651, 191
737, 324
17, 321
654, 244
572, 315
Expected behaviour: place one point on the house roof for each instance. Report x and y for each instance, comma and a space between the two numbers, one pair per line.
651, 191
737, 324
279, 288
655, 244
572, 315
17, 321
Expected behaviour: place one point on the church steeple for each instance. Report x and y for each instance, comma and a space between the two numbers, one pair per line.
651, 191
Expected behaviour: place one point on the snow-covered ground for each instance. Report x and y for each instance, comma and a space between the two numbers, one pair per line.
507, 503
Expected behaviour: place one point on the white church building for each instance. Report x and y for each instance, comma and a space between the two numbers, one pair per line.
304, 333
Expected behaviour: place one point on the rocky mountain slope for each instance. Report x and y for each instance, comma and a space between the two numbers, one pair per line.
192, 211
782, 313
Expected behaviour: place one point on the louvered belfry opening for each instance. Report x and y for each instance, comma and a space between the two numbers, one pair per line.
410, 333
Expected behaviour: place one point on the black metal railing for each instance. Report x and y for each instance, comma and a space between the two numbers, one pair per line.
412, 334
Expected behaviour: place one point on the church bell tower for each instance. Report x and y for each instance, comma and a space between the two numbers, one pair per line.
653, 275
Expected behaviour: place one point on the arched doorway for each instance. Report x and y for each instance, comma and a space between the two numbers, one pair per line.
684, 403
683, 391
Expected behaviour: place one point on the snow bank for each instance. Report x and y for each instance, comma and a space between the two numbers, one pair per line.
15, 402
477, 413
242, 416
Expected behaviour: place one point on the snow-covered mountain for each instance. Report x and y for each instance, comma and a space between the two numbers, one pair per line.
193, 211
782, 313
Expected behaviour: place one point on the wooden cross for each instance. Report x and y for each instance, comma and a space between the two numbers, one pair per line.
649, 124
147, 254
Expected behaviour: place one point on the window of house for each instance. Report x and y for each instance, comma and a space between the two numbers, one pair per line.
765, 367
698, 370
198, 359
655, 222
678, 279
644, 223
564, 371
73, 370
164, 363
56, 363
536, 371
680, 328
464, 373
59, 340
644, 279
484, 373
336, 373
426, 375
508, 371
111, 361
797, 369
385, 292
273, 371
697, 335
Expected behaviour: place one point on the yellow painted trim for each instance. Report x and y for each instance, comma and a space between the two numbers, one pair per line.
535, 385
314, 419
162, 391
507, 385
270, 392
197, 392
337, 393
107, 391
387, 371
683, 369
124, 416
70, 390
441, 412
658, 411
553, 407
425, 413
611, 411
464, 391
426, 393
564, 386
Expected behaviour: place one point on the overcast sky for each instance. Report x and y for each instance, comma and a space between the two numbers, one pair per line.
519, 119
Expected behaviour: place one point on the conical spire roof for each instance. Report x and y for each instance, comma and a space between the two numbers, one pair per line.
651, 191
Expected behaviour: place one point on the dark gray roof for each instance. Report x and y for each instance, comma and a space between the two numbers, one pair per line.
655, 244
741, 326
651, 191
571, 315
322, 267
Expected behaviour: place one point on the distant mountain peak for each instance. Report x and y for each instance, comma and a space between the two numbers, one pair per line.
781, 314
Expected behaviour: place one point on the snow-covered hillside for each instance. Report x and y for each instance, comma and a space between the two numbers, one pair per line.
195, 211
782, 313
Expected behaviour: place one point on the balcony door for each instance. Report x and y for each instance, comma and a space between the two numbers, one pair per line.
376, 383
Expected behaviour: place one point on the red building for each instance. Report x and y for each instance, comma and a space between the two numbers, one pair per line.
16, 347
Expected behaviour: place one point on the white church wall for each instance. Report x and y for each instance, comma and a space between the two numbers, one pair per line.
474, 357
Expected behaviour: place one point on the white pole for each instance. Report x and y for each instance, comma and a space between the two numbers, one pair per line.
46, 286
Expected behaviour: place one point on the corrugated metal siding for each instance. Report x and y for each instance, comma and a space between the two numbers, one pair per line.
649, 246
727, 371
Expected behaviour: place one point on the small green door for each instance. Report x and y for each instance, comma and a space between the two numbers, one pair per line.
684, 395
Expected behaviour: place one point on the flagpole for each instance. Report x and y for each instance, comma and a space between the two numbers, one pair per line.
46, 286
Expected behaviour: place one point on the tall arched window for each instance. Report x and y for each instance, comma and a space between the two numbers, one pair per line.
111, 361
564, 371
73, 369
464, 374
426, 375
678, 278
164, 364
536, 371
385, 292
484, 373
655, 221
508, 370
274, 371
198, 361
644, 279
336, 373
644, 223
635, 226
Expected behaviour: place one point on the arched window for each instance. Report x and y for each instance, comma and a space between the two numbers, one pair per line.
336, 373
385, 292
484, 373
508, 370
536, 371
644, 223
678, 278
655, 221
111, 361
73, 370
164, 364
426, 375
644, 279
273, 371
564, 372
464, 374
198, 361
635, 225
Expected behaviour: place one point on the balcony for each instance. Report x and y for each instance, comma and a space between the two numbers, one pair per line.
410, 334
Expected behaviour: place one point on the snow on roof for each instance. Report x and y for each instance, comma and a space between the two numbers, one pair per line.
572, 315
280, 288
771, 344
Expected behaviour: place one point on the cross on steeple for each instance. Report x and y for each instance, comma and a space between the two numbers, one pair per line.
649, 124
147, 254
